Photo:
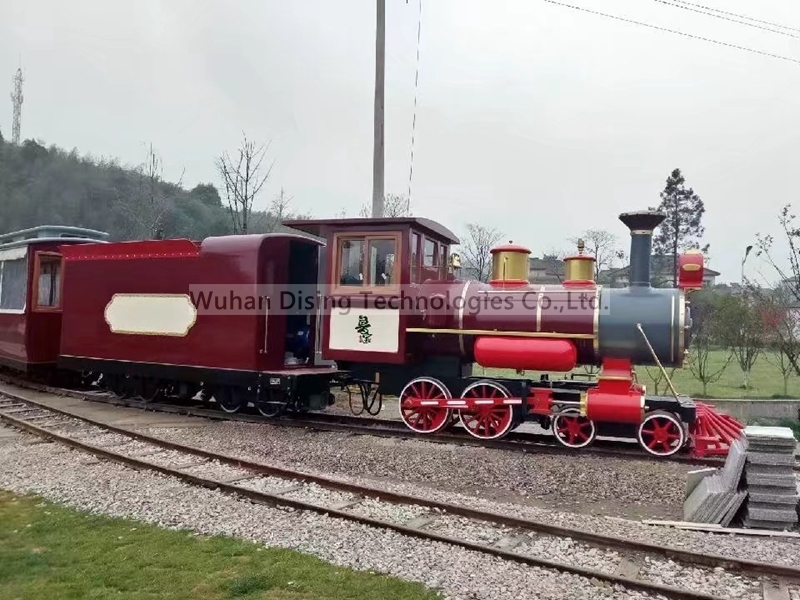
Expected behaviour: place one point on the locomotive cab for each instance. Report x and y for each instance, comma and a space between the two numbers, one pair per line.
373, 270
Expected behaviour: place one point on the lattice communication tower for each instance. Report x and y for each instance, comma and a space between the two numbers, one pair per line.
16, 98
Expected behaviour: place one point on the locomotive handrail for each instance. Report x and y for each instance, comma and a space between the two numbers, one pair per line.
658, 362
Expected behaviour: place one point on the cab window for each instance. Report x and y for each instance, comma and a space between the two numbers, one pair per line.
367, 260
429, 254
415, 238
351, 262
381, 262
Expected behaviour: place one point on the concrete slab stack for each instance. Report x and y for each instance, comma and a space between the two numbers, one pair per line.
772, 501
756, 488
717, 496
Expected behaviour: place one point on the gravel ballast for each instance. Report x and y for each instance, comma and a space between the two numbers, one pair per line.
586, 484
54, 472
422, 469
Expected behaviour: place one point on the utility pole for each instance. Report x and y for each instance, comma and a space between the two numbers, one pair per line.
16, 98
377, 154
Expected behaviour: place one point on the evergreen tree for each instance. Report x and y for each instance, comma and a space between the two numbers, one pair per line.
682, 229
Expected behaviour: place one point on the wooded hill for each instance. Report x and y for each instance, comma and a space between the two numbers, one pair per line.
50, 186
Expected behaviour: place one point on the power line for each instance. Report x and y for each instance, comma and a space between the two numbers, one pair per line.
711, 14
689, 35
416, 89
740, 16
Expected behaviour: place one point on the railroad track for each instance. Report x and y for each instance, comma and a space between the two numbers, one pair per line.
515, 441
508, 537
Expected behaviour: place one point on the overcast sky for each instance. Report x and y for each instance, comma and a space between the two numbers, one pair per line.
537, 119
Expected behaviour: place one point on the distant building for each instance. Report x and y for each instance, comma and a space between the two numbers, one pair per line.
661, 273
546, 270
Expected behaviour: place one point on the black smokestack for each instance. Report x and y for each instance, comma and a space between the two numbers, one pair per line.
641, 225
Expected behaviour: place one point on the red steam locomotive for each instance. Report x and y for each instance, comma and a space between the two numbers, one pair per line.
276, 320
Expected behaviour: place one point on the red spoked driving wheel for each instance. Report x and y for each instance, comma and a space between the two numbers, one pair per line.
490, 421
661, 433
425, 419
573, 430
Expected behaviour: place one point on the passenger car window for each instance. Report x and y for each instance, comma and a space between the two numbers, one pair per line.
13, 284
49, 283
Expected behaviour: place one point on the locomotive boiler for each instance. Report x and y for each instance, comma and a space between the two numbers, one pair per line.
510, 323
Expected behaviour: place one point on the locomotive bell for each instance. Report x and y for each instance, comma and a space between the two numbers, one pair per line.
510, 265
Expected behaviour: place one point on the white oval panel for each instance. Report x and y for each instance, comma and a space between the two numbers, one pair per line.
151, 314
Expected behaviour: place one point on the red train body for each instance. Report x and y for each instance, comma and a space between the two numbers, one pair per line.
31, 279
276, 320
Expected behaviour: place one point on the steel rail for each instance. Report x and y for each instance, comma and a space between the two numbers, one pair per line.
514, 442
601, 540
277, 500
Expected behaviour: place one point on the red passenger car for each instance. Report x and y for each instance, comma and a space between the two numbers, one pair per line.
31, 284
180, 317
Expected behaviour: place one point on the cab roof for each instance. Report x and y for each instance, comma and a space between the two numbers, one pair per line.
50, 233
320, 227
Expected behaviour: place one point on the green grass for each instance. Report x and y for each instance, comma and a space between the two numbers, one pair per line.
766, 380
50, 552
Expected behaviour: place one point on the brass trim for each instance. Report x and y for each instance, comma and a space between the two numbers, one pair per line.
461, 316
542, 334
584, 405
596, 322
539, 308
614, 378
672, 329
643, 409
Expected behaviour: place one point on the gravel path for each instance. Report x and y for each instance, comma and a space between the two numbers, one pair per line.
588, 484
357, 459
54, 472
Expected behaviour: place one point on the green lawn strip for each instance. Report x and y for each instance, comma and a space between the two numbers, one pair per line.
766, 381
47, 551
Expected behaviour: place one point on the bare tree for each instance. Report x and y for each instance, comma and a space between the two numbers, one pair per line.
394, 206
477, 262
553, 261
148, 204
741, 329
790, 280
783, 362
243, 181
705, 340
271, 220
781, 322
660, 383
602, 245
